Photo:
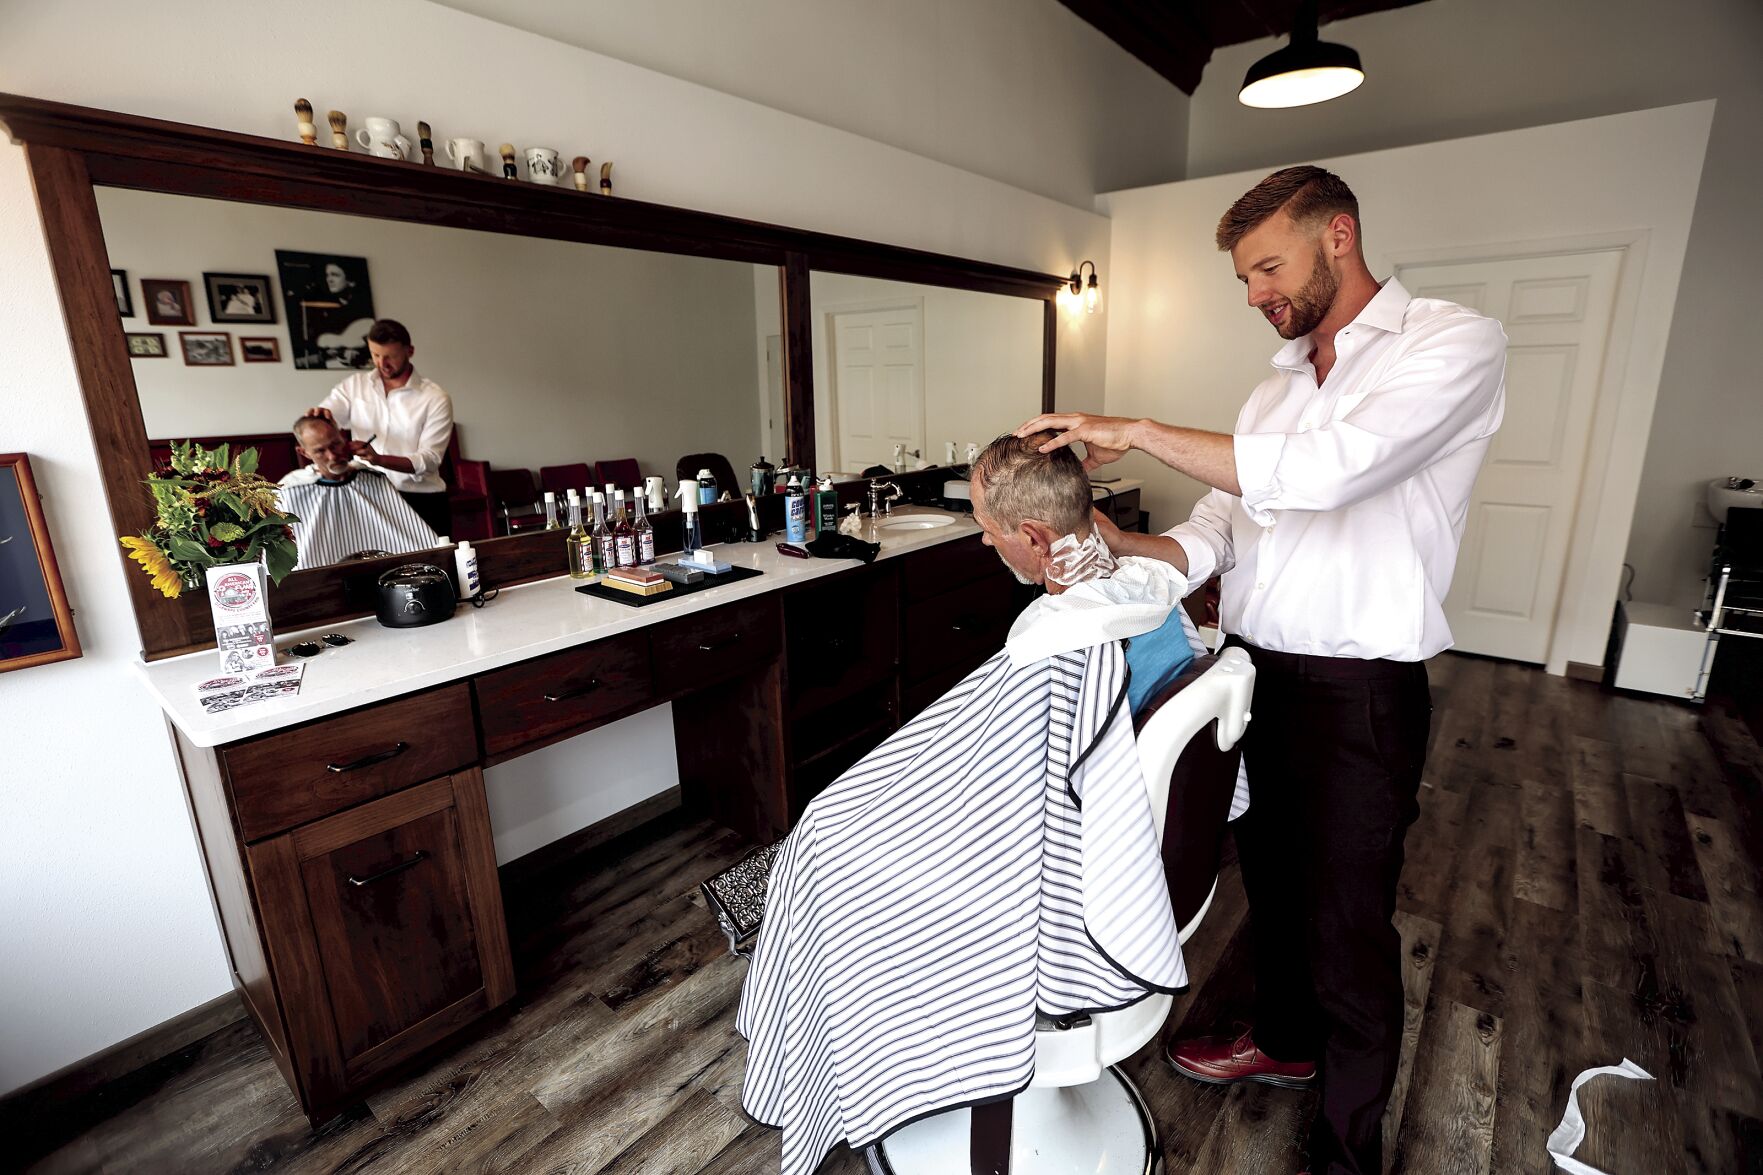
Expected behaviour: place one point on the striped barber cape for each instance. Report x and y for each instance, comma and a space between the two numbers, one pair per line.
993, 857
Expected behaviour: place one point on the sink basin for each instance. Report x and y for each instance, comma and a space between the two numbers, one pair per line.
1722, 496
915, 522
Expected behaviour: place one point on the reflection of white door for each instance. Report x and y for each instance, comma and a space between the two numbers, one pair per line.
878, 383
1556, 311
775, 417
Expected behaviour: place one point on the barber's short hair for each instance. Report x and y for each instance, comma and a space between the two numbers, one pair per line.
1022, 482
1310, 195
388, 330
301, 425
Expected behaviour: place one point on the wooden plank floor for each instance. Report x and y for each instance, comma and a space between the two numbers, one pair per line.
1583, 885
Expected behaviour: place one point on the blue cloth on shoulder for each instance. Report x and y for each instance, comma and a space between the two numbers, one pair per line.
1155, 659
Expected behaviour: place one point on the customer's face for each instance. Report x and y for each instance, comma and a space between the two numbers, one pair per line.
1018, 552
324, 446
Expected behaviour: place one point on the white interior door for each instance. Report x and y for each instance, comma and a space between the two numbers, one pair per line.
1556, 311
878, 383
777, 436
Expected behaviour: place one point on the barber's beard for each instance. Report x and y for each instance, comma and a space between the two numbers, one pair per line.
1311, 304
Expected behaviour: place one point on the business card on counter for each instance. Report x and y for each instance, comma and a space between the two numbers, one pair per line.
232, 690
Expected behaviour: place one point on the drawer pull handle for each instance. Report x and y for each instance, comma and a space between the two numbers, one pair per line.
369, 761
421, 856
723, 644
577, 692
966, 624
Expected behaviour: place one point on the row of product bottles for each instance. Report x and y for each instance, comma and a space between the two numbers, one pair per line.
616, 539
810, 510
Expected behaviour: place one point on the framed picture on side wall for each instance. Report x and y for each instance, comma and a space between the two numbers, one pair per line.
206, 348
36, 625
330, 308
168, 301
239, 297
119, 285
146, 344
260, 350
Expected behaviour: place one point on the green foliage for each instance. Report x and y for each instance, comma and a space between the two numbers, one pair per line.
212, 508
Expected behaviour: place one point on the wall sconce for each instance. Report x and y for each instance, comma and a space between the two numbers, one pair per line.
1091, 293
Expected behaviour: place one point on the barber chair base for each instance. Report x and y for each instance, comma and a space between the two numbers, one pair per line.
1099, 1128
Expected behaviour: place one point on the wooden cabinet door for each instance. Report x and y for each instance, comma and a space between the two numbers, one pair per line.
386, 929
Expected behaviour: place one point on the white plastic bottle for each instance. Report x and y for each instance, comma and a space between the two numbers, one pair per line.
465, 563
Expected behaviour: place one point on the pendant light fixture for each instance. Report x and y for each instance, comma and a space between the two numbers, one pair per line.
1305, 72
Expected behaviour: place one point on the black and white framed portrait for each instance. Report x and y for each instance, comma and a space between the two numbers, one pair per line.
330, 308
206, 348
239, 297
168, 301
119, 285
36, 624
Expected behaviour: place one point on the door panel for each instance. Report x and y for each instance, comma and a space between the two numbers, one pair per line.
878, 384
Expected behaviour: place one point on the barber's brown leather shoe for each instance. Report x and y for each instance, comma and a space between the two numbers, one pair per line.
1224, 1060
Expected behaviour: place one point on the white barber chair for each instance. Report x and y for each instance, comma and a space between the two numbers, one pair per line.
1080, 1114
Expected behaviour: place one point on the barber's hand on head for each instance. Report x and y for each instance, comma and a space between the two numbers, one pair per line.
322, 413
1105, 438
1105, 527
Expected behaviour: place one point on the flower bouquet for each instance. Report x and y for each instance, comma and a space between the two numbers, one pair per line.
211, 510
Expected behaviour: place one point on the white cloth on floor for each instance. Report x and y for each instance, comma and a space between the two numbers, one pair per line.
1571, 1132
994, 857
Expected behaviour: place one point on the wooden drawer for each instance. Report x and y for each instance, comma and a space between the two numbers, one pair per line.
386, 929
536, 699
949, 565
288, 778
723, 642
957, 629
842, 637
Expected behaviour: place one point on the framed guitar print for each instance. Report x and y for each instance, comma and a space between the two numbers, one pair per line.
330, 308
36, 625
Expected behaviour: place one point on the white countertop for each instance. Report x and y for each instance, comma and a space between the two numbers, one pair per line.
1100, 490
523, 622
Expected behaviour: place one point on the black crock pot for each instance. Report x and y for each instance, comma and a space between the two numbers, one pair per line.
414, 595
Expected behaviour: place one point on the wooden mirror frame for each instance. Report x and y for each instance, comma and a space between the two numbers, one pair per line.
69, 150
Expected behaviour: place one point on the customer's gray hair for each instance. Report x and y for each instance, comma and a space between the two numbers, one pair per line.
1022, 482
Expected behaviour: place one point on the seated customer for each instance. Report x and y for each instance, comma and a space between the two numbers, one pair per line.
344, 509
994, 858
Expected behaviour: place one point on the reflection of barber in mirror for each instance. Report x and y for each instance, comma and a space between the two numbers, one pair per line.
1335, 516
345, 509
408, 417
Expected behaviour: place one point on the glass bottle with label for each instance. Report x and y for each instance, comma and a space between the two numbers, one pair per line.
605, 547
579, 543
625, 536
645, 532
551, 522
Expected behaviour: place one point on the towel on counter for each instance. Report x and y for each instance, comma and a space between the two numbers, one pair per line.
994, 857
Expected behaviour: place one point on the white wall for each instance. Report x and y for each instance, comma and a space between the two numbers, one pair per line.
106, 916
553, 351
981, 355
1021, 91
1461, 67
1183, 347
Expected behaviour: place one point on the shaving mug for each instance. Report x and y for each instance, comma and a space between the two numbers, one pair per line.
381, 137
466, 154
541, 165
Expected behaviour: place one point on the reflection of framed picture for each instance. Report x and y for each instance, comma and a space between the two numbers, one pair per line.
119, 285
36, 625
168, 302
146, 345
260, 350
239, 297
206, 348
330, 308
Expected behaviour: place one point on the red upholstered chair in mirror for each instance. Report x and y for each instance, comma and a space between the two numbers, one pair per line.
560, 479
622, 471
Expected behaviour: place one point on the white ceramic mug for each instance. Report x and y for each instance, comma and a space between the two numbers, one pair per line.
541, 165
466, 154
381, 136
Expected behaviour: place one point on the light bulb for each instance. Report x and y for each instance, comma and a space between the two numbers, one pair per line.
1092, 297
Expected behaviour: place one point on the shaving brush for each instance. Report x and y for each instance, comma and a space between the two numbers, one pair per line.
606, 179
580, 164
339, 130
509, 170
303, 112
425, 139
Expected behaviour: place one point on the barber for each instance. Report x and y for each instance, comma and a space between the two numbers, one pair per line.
406, 415
1335, 514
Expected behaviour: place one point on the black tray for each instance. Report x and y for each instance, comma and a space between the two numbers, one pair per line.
733, 574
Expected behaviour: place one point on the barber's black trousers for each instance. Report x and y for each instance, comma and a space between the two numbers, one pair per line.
433, 508
1334, 753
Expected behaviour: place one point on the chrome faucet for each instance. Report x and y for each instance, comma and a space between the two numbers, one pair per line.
879, 504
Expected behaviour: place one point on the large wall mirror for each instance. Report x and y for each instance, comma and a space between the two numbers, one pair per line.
559, 357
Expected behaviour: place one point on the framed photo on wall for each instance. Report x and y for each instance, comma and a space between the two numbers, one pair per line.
36, 625
168, 301
119, 285
260, 350
206, 348
146, 344
239, 297
330, 308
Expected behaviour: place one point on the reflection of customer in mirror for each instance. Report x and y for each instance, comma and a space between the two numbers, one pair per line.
406, 414
344, 508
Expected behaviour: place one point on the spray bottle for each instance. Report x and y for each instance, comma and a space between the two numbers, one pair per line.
692, 534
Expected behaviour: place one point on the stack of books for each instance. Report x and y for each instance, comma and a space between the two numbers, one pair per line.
638, 581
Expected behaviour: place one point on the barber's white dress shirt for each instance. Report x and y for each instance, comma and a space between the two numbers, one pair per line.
1355, 492
414, 421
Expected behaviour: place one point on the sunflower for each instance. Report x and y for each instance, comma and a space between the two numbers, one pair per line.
146, 552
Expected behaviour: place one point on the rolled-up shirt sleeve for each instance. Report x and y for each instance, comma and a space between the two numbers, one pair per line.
1206, 539
437, 431
1442, 393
